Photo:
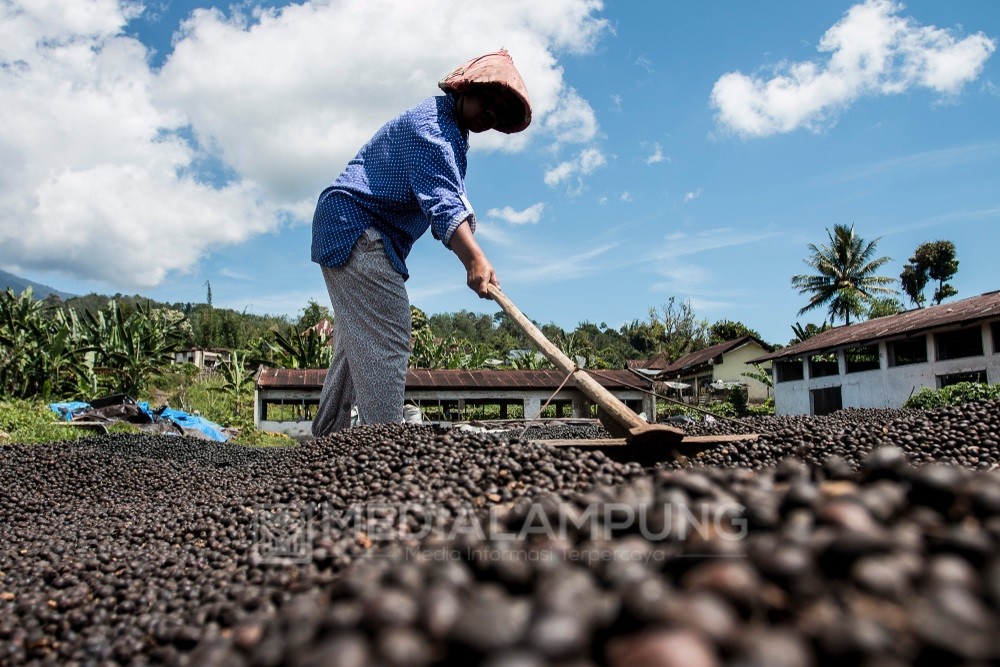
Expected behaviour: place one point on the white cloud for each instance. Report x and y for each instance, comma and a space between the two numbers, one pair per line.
872, 51
104, 159
616, 102
691, 196
584, 163
530, 215
97, 183
627, 196
682, 244
656, 156
573, 120
556, 265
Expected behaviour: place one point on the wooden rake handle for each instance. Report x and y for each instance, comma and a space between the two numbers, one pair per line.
584, 382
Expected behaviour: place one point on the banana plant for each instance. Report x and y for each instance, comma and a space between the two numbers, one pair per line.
132, 350
301, 349
40, 356
236, 378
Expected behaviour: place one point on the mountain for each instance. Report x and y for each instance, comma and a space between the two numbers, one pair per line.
18, 285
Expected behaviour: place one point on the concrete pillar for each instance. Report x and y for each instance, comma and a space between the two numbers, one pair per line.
256, 408
581, 406
649, 407
532, 406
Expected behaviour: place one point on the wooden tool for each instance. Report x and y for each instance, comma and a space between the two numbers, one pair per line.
614, 415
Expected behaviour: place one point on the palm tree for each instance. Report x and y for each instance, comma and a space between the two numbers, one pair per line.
846, 277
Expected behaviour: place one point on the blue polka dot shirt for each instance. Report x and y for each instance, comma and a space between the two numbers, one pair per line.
408, 177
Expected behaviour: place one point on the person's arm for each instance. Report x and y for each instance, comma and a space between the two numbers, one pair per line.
478, 270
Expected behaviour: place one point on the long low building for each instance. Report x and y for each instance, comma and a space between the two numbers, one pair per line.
285, 400
882, 362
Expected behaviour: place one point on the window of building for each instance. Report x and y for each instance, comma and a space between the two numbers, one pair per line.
995, 330
862, 358
788, 371
822, 365
908, 351
960, 343
954, 378
825, 401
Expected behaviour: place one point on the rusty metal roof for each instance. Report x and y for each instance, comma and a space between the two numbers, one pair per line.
694, 359
421, 378
958, 313
701, 358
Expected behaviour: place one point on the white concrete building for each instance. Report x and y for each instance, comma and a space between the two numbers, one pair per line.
882, 362
203, 358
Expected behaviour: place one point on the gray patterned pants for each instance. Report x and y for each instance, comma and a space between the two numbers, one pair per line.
371, 334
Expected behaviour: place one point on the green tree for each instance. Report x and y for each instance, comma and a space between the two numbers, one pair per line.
935, 260
846, 277
803, 333
683, 332
724, 331
313, 314
884, 307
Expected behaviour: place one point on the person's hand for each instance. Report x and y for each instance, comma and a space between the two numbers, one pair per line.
480, 275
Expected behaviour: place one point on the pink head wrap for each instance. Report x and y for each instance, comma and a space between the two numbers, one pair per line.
493, 68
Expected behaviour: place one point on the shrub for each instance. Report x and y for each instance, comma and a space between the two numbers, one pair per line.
28, 422
761, 409
956, 394
738, 399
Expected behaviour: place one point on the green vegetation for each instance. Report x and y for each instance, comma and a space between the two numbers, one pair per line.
956, 394
845, 279
30, 422
86, 347
931, 261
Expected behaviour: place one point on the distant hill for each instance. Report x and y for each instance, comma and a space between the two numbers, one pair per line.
18, 285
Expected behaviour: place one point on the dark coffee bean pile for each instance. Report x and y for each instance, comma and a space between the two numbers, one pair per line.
798, 565
141, 549
966, 435
561, 432
126, 547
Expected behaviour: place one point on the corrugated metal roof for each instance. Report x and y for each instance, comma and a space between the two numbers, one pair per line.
702, 357
966, 311
693, 359
421, 378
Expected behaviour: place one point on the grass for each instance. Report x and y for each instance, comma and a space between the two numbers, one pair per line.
30, 422
25, 421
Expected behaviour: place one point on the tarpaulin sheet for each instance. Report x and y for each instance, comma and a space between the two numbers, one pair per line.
140, 413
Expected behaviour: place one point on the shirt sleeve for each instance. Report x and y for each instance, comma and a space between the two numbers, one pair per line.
438, 185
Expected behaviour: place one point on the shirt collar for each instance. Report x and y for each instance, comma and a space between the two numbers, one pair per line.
453, 108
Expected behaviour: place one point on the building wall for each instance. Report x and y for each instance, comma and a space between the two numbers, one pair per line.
734, 364
737, 362
888, 386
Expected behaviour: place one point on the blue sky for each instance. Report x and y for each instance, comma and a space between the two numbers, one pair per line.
687, 150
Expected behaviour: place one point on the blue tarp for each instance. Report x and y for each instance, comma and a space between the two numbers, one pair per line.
184, 420
69, 409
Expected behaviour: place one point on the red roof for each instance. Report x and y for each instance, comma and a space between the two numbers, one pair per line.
422, 378
958, 313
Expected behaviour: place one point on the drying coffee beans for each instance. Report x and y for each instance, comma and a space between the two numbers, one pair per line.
864, 537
